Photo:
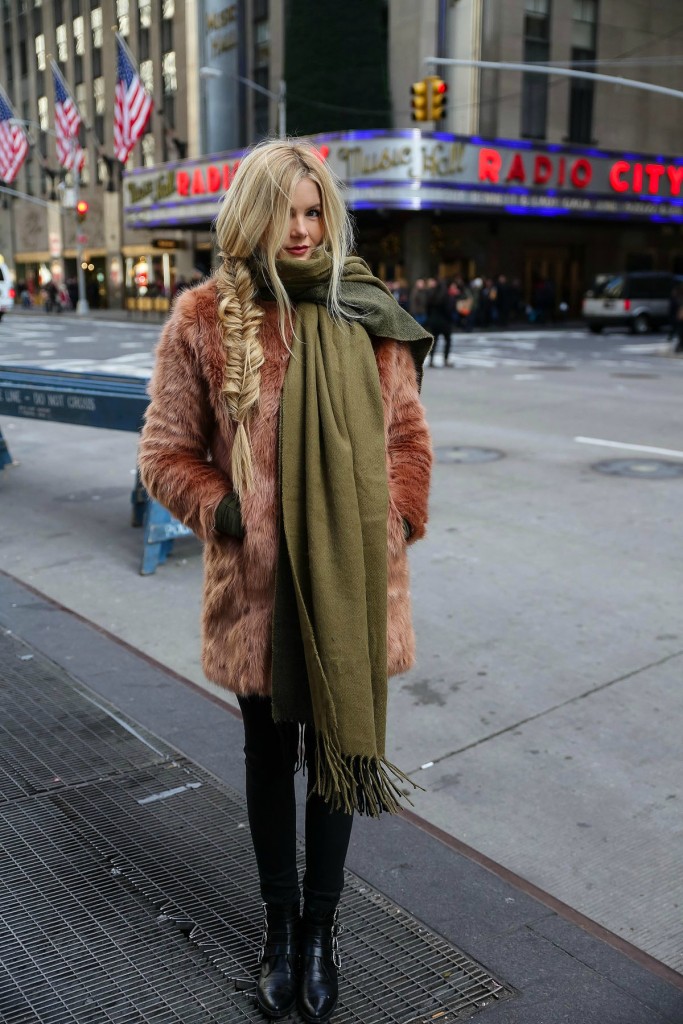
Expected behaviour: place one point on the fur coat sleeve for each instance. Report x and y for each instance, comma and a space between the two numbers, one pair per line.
174, 447
408, 441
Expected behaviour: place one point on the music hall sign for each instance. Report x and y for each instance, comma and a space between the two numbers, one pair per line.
414, 170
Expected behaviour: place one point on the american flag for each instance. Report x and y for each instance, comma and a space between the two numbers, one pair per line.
67, 123
13, 142
132, 106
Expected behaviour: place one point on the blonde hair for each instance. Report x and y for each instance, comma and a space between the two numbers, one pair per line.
250, 227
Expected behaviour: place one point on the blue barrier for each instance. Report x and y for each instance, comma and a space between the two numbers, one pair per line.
92, 400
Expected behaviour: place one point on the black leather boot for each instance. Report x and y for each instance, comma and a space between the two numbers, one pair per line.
276, 989
320, 961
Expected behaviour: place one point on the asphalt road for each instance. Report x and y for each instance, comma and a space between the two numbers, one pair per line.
543, 718
70, 342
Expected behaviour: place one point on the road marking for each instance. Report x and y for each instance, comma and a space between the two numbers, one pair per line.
630, 447
647, 349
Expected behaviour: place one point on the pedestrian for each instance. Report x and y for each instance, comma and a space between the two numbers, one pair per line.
285, 428
677, 311
50, 296
418, 301
439, 321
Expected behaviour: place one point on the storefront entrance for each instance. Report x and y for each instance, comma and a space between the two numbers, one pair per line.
552, 276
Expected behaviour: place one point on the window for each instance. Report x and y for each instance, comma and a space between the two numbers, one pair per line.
81, 97
43, 113
123, 18
147, 75
145, 13
79, 35
167, 9
62, 49
581, 90
535, 87
40, 52
148, 149
102, 170
166, 36
9, 67
96, 27
168, 69
85, 171
98, 92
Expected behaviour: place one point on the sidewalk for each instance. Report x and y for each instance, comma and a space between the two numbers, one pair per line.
139, 904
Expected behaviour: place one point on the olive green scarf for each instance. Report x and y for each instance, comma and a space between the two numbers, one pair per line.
330, 612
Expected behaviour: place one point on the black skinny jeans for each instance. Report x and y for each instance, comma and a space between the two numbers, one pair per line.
270, 757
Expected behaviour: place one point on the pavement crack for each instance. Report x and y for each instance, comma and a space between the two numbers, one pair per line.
549, 711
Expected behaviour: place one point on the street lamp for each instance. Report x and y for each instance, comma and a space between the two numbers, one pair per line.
208, 72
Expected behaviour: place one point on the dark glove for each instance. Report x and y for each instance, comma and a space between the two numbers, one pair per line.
407, 529
229, 516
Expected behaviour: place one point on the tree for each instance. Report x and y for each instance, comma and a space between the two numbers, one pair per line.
336, 65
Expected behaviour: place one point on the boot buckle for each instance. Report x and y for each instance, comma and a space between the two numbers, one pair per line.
336, 931
264, 936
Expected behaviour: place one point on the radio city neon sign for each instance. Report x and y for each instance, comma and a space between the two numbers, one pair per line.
562, 171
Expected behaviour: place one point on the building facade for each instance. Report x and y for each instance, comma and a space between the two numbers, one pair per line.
495, 190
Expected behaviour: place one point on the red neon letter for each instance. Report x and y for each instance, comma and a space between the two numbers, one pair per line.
615, 175
654, 173
543, 169
676, 179
490, 162
198, 185
637, 177
213, 177
517, 171
182, 183
581, 173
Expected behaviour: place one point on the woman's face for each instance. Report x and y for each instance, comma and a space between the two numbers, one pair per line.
306, 228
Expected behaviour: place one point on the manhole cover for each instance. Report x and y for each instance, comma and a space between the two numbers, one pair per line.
465, 454
648, 469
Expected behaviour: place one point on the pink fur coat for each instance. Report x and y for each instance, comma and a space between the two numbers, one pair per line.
185, 464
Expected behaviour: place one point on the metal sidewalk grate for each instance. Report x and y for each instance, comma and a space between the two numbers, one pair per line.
131, 897
53, 736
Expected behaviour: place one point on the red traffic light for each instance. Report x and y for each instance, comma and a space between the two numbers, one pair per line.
82, 207
441, 88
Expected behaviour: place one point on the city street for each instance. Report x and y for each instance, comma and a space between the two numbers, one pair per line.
543, 717
123, 345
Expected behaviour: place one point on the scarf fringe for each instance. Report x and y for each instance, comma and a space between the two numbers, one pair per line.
358, 782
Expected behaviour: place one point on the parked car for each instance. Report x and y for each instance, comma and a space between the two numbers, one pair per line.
639, 300
6, 290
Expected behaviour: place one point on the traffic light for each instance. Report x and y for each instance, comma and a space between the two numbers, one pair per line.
419, 98
438, 98
82, 207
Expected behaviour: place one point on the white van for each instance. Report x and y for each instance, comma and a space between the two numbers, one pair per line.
639, 301
6, 290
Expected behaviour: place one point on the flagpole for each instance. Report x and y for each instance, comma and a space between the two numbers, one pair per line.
82, 307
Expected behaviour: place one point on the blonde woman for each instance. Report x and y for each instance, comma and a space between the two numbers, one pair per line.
285, 428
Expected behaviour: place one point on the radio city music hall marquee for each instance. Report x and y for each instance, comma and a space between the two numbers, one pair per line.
413, 170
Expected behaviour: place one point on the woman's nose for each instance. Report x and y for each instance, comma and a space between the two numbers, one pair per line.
298, 226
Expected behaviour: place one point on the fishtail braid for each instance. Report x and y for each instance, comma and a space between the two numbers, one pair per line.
240, 319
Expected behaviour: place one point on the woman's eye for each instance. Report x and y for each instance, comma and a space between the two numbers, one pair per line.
313, 213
